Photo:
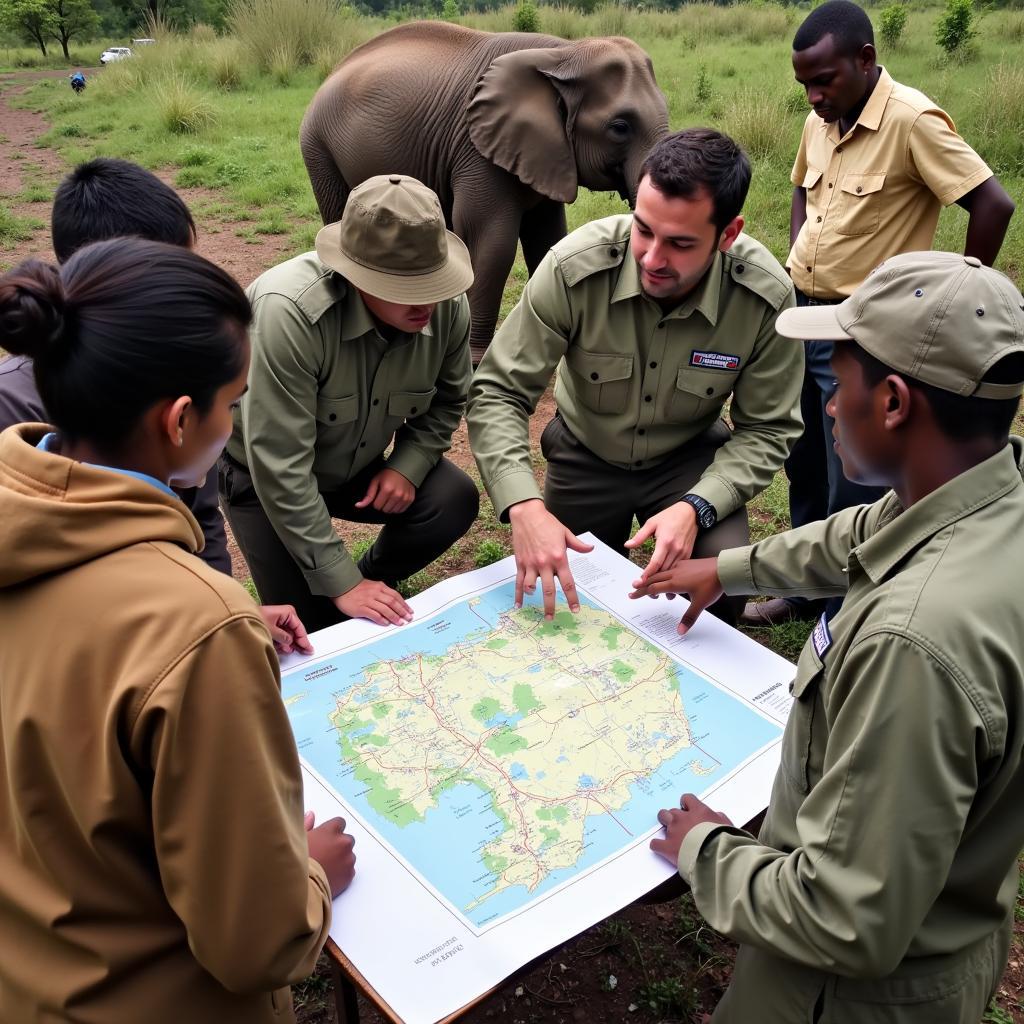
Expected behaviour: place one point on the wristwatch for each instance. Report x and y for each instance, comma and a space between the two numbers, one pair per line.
707, 514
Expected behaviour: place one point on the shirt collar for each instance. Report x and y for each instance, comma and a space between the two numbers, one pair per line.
871, 115
704, 298
903, 530
356, 319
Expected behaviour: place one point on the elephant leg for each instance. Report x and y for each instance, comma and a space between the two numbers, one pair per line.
541, 228
490, 233
329, 186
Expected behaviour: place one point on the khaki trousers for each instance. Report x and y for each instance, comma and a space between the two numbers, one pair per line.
586, 493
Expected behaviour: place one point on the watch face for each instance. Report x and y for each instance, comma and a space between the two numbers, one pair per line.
707, 518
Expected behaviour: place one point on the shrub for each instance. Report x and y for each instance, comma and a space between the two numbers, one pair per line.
488, 552
450, 10
526, 17
182, 109
702, 86
891, 23
270, 28
283, 61
758, 120
226, 64
955, 29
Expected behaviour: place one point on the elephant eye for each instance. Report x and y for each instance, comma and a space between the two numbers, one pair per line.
619, 128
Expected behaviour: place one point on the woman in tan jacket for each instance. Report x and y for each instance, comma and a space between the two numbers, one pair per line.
154, 865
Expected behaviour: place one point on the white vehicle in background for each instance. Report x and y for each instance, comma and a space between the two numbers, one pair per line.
115, 53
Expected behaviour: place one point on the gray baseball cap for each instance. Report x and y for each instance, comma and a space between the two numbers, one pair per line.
391, 242
938, 317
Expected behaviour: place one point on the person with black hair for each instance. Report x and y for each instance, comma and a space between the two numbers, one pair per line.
154, 862
100, 199
882, 885
877, 161
654, 321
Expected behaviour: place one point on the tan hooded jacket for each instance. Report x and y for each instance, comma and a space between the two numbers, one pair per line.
153, 862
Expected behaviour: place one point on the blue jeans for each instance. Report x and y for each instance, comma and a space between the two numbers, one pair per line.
817, 486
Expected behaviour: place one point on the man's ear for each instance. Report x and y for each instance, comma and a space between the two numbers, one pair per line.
172, 419
898, 399
729, 234
867, 58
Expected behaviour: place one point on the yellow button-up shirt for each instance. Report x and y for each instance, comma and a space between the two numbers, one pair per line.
877, 190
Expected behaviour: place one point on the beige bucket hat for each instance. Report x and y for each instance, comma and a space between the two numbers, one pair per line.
939, 317
391, 242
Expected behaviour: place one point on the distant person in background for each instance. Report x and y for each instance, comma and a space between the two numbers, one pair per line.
877, 162
103, 199
78, 82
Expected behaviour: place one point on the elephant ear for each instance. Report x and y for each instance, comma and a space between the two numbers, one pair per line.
518, 119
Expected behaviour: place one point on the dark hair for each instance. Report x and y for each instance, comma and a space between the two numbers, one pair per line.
847, 24
700, 158
120, 326
960, 417
107, 198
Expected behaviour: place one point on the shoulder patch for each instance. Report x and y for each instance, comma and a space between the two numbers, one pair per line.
751, 265
821, 636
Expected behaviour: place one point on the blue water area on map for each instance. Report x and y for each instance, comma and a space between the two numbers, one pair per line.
518, 771
447, 846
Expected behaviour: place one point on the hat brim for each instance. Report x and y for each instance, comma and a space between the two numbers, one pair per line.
811, 323
449, 280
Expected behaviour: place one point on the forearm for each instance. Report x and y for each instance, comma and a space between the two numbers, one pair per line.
990, 214
797, 213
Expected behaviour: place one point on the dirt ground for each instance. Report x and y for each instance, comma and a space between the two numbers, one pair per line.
647, 963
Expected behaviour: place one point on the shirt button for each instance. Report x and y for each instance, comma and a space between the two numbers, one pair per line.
808, 270
661, 326
412, 411
639, 462
332, 417
594, 376
710, 391
654, 366
817, 220
362, 444
859, 190
613, 253
830, 184
648, 398
376, 401
641, 431
839, 149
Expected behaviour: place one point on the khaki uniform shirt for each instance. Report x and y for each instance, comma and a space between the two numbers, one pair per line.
876, 191
634, 382
894, 824
326, 396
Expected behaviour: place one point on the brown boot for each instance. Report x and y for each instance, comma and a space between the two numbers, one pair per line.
779, 610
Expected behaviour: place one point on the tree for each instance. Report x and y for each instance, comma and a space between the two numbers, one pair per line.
33, 19
72, 18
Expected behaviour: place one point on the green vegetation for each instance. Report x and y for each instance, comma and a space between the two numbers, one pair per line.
526, 17
486, 709
494, 863
562, 620
496, 644
610, 635
622, 671
955, 29
524, 699
506, 741
891, 22
489, 551
559, 814
381, 710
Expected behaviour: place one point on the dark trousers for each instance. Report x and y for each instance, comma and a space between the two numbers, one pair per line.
586, 493
444, 508
817, 486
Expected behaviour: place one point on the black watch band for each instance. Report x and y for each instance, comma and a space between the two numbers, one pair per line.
707, 514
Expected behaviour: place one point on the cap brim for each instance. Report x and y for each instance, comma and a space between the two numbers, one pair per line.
453, 278
811, 323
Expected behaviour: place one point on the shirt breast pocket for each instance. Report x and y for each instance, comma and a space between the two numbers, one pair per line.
336, 412
860, 208
806, 719
698, 393
406, 405
812, 176
602, 379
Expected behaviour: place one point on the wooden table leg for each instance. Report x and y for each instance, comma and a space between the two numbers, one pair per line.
346, 1004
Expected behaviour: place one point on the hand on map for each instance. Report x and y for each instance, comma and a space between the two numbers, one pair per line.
678, 822
540, 541
376, 601
331, 847
389, 492
697, 578
674, 530
286, 628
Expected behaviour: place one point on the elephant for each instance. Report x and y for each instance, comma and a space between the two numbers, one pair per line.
503, 126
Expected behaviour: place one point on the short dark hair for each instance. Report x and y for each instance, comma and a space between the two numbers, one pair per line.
960, 417
700, 158
121, 325
845, 22
107, 198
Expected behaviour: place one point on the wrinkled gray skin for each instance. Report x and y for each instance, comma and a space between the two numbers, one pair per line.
502, 126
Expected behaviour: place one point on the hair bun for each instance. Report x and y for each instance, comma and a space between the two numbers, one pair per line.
33, 311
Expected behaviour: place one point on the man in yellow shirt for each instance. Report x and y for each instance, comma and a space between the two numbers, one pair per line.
877, 161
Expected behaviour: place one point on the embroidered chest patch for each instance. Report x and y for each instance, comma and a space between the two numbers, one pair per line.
714, 360
821, 637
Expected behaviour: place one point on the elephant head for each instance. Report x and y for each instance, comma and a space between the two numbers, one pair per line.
585, 113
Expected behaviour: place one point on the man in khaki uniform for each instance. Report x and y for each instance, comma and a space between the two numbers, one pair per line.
654, 320
363, 342
877, 161
882, 885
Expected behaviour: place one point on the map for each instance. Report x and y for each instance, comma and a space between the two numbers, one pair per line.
501, 756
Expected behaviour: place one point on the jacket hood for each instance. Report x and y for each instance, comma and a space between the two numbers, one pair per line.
56, 513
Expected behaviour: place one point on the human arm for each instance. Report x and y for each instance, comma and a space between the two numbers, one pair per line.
285, 628
226, 808
877, 832
797, 212
990, 210
422, 440
279, 426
